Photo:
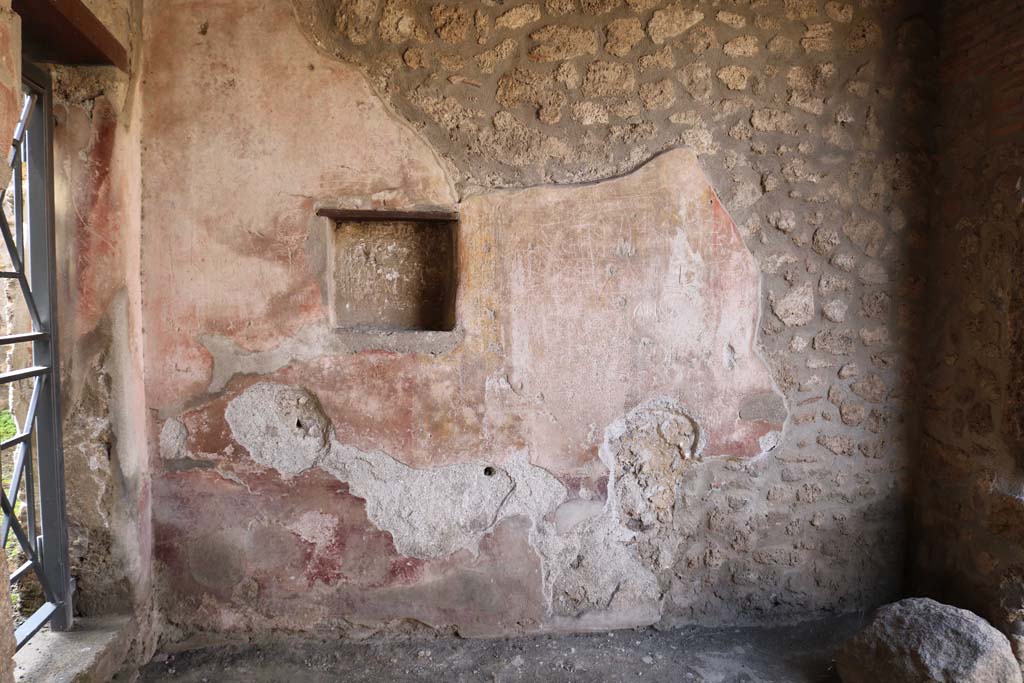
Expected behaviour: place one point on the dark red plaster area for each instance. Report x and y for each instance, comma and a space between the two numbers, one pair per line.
243, 549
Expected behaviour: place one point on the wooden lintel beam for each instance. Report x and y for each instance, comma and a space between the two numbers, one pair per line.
67, 32
424, 215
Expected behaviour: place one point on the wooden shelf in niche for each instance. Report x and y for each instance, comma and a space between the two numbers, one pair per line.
392, 271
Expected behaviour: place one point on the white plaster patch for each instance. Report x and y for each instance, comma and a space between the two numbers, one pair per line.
433, 513
769, 441
172, 440
430, 513
282, 427
593, 574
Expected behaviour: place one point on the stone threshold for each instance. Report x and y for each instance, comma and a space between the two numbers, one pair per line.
94, 650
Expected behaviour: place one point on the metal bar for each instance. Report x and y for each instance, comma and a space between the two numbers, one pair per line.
16, 159
12, 249
33, 405
21, 437
30, 498
19, 130
33, 624
22, 373
20, 572
22, 337
42, 269
23, 453
19, 197
26, 546
47, 552
19, 468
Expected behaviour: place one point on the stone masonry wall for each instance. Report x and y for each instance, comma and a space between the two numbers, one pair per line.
810, 119
970, 488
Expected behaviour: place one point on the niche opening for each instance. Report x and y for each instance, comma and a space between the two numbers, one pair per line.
392, 270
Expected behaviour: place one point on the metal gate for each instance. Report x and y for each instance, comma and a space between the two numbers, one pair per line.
37, 515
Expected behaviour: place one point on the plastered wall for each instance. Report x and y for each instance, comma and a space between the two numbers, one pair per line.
677, 394
97, 197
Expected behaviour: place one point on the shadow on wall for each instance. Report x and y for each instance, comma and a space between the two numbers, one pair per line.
970, 489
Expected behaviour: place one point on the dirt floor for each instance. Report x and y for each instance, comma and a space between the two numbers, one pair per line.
795, 654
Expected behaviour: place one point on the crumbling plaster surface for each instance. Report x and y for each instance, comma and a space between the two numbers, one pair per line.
97, 191
588, 564
430, 513
85, 195
576, 340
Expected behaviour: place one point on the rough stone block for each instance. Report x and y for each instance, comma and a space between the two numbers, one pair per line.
919, 640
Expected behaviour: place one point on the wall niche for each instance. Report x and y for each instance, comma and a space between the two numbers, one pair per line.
392, 271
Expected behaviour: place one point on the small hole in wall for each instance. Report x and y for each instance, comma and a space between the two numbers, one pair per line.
488, 471
298, 423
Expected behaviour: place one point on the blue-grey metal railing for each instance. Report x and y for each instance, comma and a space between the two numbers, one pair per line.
38, 466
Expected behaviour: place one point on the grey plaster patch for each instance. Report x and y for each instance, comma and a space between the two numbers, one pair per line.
172, 440
769, 441
573, 512
593, 575
282, 427
600, 562
433, 513
430, 513
436, 512
536, 492
229, 359
647, 453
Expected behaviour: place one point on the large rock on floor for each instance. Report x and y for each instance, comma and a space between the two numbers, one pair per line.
922, 641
